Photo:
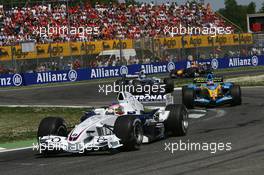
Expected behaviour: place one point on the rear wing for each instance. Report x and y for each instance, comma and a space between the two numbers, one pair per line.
201, 80
131, 76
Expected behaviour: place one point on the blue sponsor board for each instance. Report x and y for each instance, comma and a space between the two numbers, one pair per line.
8, 80
117, 71
152, 68
106, 72
233, 62
50, 77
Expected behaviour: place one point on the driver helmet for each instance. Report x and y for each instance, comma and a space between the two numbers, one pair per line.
142, 73
210, 82
210, 79
116, 109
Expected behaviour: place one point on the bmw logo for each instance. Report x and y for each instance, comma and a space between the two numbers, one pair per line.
17, 80
74, 135
56, 139
72, 75
123, 70
254, 60
214, 63
171, 66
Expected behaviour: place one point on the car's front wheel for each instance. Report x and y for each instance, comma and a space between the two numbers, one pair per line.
188, 96
235, 92
169, 85
177, 122
129, 129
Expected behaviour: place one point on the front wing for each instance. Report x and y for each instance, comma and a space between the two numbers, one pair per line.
209, 102
58, 143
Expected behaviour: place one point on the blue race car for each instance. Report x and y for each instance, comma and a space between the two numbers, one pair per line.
211, 91
141, 80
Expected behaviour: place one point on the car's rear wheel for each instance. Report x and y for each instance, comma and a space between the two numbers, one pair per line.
177, 123
190, 72
235, 92
173, 74
169, 85
121, 82
188, 96
129, 129
137, 85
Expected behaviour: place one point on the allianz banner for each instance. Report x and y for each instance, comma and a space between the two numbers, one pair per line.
95, 73
118, 71
7, 80
233, 62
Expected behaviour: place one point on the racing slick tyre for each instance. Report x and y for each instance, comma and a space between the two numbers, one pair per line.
137, 84
190, 73
121, 82
52, 126
235, 92
129, 129
177, 122
169, 85
188, 97
173, 74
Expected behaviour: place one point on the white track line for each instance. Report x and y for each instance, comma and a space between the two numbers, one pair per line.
196, 116
16, 149
155, 107
219, 113
252, 87
198, 110
177, 88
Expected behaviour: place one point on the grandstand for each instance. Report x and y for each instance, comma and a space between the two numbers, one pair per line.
116, 20
138, 25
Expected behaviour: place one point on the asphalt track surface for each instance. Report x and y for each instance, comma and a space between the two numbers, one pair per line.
242, 126
83, 95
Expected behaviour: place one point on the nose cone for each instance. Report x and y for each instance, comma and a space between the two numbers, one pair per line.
213, 94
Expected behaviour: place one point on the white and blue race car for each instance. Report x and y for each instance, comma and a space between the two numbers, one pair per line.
125, 124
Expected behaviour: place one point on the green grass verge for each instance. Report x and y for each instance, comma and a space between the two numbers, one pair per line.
22, 123
19, 144
239, 69
250, 83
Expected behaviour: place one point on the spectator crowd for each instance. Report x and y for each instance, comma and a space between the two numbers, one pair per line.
113, 21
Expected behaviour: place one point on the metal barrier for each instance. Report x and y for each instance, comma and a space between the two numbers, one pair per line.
73, 55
